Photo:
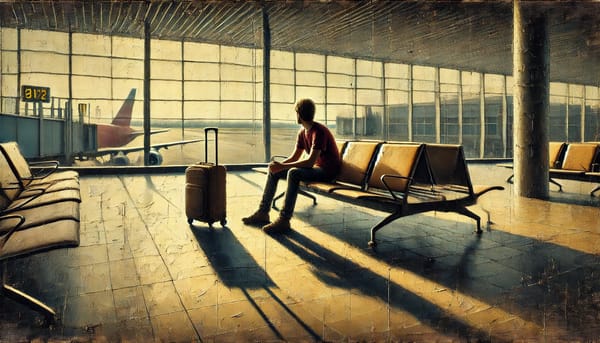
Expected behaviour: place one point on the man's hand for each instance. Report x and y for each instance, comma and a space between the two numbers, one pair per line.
275, 167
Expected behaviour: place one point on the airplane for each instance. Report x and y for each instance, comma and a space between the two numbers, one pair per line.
112, 138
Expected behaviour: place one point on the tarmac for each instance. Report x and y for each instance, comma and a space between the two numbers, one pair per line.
142, 274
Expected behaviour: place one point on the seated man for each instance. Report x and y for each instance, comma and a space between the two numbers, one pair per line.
322, 164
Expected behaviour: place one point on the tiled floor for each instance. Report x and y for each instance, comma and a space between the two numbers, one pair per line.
141, 274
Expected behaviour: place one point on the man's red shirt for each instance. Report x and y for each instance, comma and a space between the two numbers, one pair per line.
320, 137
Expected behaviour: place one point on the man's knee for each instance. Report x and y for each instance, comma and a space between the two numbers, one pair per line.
277, 176
295, 174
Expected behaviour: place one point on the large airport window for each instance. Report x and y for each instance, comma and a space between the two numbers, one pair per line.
396, 99
471, 90
449, 106
9, 73
494, 111
509, 127
340, 80
369, 99
509, 117
574, 113
423, 116
310, 83
398, 123
193, 85
592, 114
471, 127
557, 116
44, 62
423, 123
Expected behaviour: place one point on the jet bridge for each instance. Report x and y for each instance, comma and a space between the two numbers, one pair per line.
49, 133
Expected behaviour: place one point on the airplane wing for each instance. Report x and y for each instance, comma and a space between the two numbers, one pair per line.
137, 133
158, 131
141, 132
168, 144
127, 149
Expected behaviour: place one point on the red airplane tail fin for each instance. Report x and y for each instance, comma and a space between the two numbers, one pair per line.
123, 117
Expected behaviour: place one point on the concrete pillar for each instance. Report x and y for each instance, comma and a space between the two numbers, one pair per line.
531, 61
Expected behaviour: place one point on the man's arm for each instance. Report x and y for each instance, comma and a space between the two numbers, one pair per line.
295, 156
294, 161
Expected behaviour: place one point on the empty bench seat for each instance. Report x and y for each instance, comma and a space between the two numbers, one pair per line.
48, 170
15, 196
36, 214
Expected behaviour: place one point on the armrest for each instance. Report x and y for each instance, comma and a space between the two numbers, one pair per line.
29, 199
49, 166
9, 187
392, 192
4, 237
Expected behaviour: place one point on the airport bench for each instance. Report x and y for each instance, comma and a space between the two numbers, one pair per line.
35, 217
580, 162
556, 151
571, 161
403, 179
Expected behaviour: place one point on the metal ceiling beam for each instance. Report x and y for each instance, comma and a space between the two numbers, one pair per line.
474, 36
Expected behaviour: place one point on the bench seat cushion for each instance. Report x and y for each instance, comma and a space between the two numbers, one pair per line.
21, 167
44, 199
57, 176
394, 159
555, 152
386, 202
579, 156
328, 187
355, 162
44, 214
55, 186
62, 233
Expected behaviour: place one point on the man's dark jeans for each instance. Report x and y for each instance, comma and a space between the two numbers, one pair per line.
294, 177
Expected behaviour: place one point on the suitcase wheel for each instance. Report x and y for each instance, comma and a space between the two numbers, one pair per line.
223, 222
190, 221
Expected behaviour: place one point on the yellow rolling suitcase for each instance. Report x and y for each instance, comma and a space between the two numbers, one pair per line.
205, 196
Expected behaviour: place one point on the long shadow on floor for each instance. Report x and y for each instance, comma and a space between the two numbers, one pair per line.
339, 271
540, 282
236, 268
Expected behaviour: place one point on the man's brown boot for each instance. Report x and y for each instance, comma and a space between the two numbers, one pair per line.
280, 225
258, 218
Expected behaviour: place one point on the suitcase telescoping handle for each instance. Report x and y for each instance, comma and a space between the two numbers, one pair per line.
216, 131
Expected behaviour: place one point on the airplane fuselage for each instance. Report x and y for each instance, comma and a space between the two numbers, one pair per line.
110, 136
112, 139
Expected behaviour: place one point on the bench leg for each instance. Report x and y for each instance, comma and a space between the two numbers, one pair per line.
308, 195
466, 212
595, 190
556, 183
382, 223
510, 180
300, 192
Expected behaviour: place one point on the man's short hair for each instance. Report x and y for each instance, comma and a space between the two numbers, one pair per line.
306, 109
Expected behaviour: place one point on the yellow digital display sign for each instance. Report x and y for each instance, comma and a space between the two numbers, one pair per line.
35, 93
